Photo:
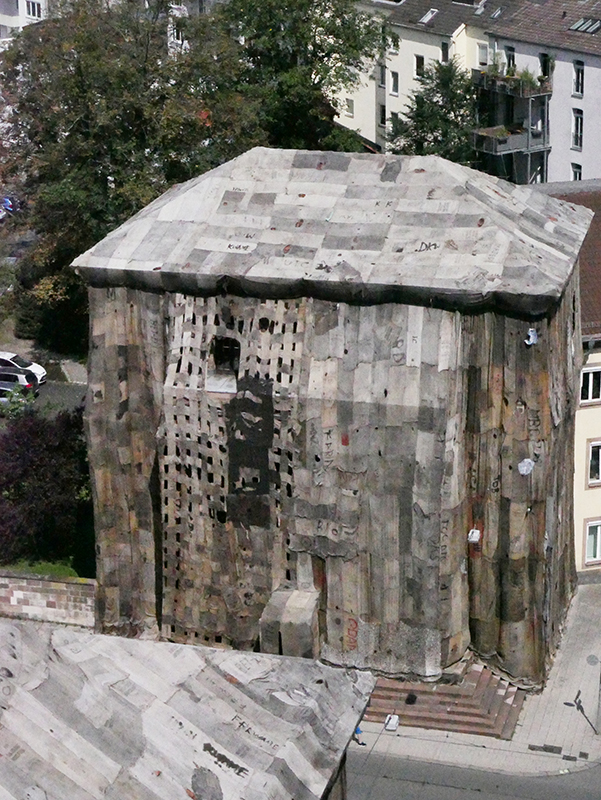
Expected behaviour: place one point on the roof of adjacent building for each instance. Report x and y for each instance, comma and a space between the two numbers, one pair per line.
586, 193
86, 716
449, 15
349, 227
548, 23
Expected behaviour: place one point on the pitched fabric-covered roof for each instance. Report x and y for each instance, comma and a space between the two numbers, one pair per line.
349, 227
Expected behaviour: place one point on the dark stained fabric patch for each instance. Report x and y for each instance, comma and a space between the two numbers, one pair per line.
250, 433
319, 160
391, 171
205, 784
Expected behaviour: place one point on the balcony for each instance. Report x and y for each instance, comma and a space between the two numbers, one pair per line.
513, 85
500, 140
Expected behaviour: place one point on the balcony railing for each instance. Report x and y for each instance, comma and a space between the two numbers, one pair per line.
499, 140
513, 85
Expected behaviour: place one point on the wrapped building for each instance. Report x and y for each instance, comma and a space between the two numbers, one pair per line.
331, 410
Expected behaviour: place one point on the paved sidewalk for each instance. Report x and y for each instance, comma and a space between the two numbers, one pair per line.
551, 737
74, 372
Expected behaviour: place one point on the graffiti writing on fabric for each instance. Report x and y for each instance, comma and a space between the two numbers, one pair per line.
328, 448
223, 760
534, 422
242, 724
444, 538
8, 655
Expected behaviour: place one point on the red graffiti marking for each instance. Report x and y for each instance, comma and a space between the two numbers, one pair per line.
351, 633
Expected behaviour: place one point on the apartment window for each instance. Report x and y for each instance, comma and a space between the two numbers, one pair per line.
177, 32
444, 52
394, 119
576, 172
594, 463
510, 57
34, 9
394, 83
590, 388
577, 128
578, 86
349, 111
382, 74
382, 114
482, 55
593, 541
544, 61
419, 66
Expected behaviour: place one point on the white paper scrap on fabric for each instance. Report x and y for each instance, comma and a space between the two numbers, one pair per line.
246, 668
526, 466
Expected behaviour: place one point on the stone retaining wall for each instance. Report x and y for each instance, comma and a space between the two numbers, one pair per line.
70, 600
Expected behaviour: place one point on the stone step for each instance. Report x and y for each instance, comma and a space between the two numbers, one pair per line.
482, 703
480, 693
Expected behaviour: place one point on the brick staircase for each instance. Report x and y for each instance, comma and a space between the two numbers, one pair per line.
480, 703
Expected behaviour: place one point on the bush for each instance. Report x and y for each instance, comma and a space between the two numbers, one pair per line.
45, 505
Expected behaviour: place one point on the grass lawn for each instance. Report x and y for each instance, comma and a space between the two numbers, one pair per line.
46, 568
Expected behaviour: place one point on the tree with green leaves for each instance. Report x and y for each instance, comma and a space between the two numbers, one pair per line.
300, 55
441, 116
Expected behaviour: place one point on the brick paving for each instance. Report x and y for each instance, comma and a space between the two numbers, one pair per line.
552, 734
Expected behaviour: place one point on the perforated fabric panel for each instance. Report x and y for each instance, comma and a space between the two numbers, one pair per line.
227, 459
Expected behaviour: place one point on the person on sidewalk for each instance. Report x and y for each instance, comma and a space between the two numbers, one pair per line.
357, 736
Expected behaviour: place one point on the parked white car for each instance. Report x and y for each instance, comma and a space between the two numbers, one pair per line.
14, 360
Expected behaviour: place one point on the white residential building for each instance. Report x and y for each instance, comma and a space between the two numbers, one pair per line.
425, 34
528, 135
587, 436
16, 14
564, 39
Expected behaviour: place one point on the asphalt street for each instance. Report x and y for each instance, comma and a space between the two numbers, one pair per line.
383, 777
58, 396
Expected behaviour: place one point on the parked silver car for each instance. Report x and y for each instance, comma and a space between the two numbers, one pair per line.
10, 392
23, 378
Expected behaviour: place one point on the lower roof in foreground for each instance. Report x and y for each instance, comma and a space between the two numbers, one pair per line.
87, 716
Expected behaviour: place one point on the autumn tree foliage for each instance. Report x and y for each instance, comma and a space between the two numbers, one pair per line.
113, 102
106, 115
